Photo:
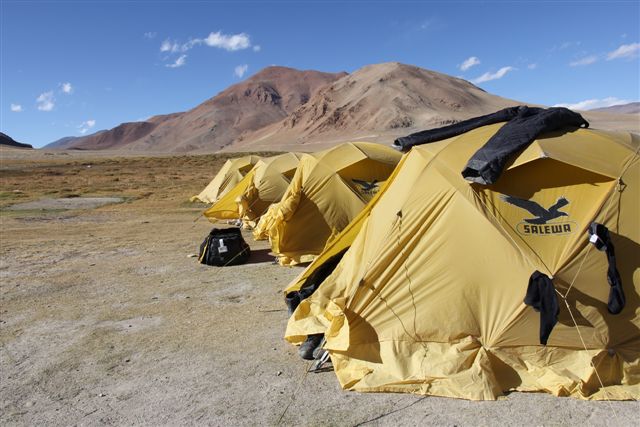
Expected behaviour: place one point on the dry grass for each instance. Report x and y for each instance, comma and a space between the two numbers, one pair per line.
155, 179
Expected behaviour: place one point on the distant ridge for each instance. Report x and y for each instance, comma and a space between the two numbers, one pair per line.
281, 108
7, 141
630, 108
63, 143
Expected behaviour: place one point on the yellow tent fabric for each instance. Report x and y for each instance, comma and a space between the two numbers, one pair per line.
343, 240
429, 297
271, 179
328, 190
263, 185
227, 206
228, 177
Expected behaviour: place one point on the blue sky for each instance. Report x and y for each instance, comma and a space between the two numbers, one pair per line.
69, 68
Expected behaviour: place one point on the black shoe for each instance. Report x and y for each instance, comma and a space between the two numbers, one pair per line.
309, 345
292, 299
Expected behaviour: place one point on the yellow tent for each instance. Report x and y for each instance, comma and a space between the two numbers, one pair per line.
327, 191
228, 177
263, 185
429, 296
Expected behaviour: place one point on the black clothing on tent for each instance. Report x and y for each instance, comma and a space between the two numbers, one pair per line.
524, 125
486, 165
541, 295
601, 239
432, 135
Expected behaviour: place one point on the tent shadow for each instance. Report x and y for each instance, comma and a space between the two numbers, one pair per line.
538, 178
628, 262
260, 256
306, 231
619, 325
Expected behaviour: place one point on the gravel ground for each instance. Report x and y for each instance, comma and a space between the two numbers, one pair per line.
106, 320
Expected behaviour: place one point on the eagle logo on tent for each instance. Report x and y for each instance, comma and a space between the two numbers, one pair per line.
538, 224
367, 187
542, 215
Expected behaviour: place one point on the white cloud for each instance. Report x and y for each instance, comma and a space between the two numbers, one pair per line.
85, 126
532, 66
493, 76
426, 24
240, 70
590, 104
565, 45
189, 45
66, 87
624, 51
169, 46
228, 42
150, 35
46, 101
469, 62
182, 60
16, 108
587, 60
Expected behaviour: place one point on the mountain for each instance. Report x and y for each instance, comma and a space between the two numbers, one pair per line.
7, 141
281, 108
265, 98
630, 108
61, 143
378, 102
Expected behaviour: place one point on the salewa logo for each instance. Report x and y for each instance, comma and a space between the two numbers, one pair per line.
367, 187
539, 225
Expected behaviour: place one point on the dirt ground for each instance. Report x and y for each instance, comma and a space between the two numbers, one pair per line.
106, 320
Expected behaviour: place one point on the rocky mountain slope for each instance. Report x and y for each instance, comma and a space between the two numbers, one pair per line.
7, 141
285, 109
265, 98
377, 102
630, 108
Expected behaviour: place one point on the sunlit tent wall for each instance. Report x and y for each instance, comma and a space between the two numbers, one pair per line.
336, 247
429, 297
228, 177
265, 184
327, 191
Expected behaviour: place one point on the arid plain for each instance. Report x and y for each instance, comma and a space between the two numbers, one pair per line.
106, 320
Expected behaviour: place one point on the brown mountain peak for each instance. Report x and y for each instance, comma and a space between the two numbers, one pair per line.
390, 98
387, 96
265, 98
281, 108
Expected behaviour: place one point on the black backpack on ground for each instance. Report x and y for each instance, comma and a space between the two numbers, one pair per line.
224, 247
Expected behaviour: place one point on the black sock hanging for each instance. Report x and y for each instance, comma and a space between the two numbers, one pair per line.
601, 239
541, 295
